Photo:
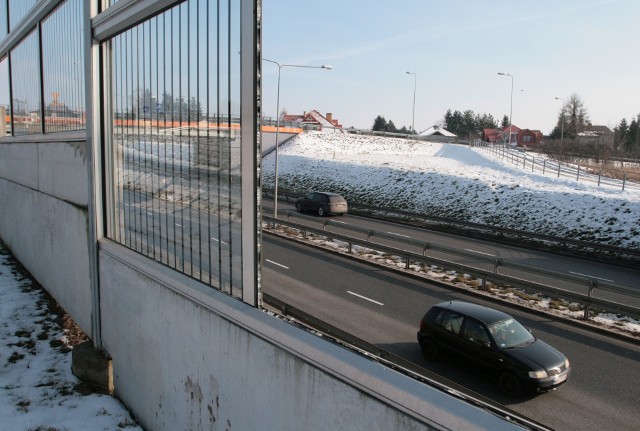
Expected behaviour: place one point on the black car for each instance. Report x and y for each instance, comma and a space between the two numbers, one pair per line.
494, 341
322, 203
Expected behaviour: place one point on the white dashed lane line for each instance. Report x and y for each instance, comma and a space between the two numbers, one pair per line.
479, 252
364, 297
277, 264
591, 276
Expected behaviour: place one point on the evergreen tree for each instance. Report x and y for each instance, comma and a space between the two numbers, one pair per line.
632, 142
379, 124
391, 127
505, 122
620, 133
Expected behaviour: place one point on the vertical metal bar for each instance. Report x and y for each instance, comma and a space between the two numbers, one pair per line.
599, 176
250, 43
544, 165
624, 179
41, 77
93, 68
578, 174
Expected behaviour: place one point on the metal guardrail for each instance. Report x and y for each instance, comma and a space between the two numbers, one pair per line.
494, 230
400, 364
506, 231
590, 284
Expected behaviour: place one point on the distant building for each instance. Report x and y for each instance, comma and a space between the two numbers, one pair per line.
314, 118
595, 131
437, 131
519, 137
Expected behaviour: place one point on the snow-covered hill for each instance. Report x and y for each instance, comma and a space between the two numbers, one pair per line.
454, 181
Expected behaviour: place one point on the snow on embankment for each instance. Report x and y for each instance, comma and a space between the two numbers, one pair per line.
454, 181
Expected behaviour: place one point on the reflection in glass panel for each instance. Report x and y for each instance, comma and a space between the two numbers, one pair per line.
3, 19
62, 58
25, 65
17, 10
5, 121
176, 141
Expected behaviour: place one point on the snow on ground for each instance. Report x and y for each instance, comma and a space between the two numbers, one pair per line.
38, 392
454, 181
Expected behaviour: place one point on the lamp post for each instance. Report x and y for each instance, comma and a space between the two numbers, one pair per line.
280, 67
511, 109
562, 125
413, 118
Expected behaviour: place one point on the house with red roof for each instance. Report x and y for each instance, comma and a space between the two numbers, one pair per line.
314, 118
519, 137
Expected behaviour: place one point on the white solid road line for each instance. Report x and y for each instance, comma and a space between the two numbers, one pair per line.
479, 252
591, 276
364, 297
217, 240
278, 264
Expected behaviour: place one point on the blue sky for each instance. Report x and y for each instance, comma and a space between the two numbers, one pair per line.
553, 48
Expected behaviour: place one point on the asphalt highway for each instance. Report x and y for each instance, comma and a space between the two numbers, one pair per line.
384, 308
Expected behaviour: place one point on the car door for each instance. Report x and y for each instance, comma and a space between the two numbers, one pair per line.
476, 346
447, 327
307, 202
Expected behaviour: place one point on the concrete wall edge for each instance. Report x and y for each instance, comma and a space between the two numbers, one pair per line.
416, 399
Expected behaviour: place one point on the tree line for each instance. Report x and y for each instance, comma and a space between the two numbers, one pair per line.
380, 124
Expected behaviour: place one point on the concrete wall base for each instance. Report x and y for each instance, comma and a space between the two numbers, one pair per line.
91, 366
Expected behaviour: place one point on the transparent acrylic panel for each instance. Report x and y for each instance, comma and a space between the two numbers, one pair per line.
18, 9
176, 141
25, 103
63, 59
3, 19
5, 120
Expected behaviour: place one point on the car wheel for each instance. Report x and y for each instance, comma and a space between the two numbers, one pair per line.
429, 350
299, 206
321, 211
509, 384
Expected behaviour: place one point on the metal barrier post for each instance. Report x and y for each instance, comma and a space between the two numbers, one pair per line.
544, 165
578, 175
624, 180
496, 264
587, 308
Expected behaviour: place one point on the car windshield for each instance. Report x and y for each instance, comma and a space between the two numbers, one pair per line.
510, 333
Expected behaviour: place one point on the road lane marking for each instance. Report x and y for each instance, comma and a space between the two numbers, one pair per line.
479, 252
278, 264
217, 240
148, 213
399, 234
339, 221
364, 297
591, 276
179, 225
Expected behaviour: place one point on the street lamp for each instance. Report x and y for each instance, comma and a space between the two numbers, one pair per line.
562, 126
511, 109
413, 118
280, 66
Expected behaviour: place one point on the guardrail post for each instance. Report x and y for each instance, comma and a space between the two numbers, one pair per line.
324, 225
578, 175
369, 235
408, 263
558, 169
484, 284
587, 308
350, 247
304, 233
496, 264
424, 249
624, 180
599, 176
544, 165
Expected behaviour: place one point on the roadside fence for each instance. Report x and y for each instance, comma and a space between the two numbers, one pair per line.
597, 175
